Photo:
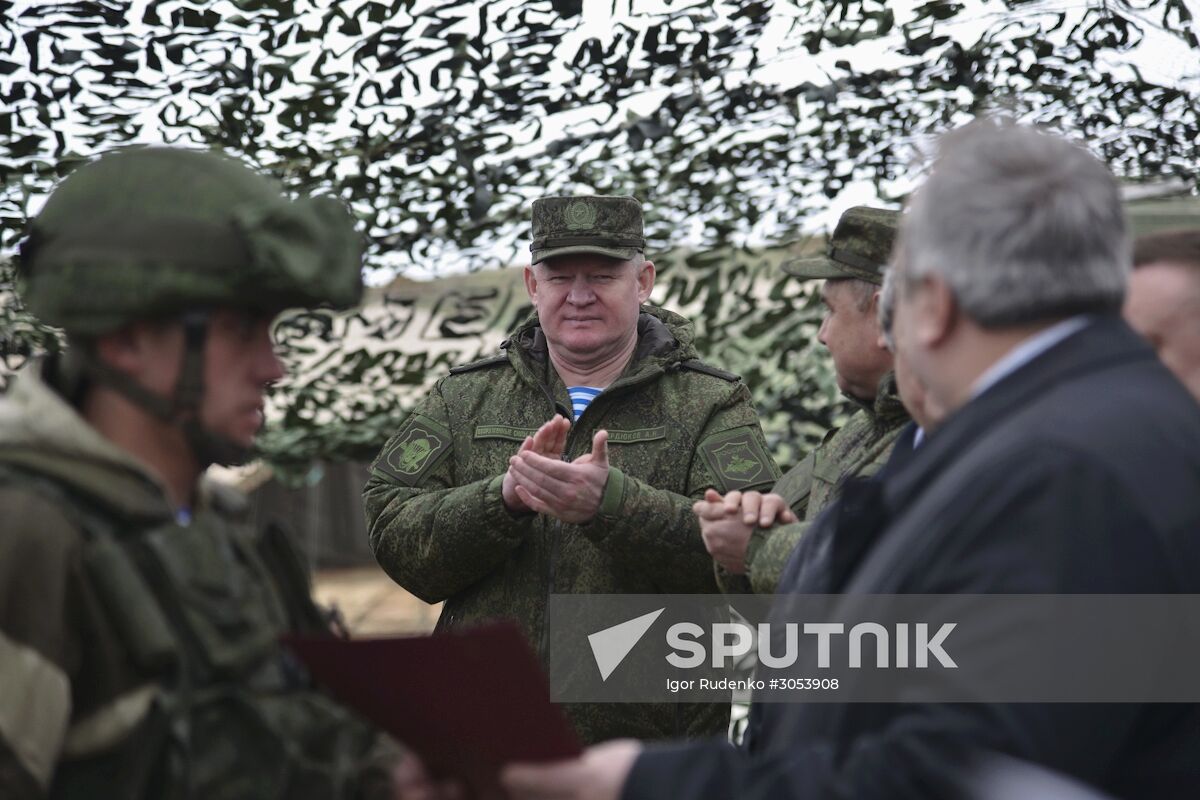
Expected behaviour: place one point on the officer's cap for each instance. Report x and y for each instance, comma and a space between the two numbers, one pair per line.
608, 226
859, 248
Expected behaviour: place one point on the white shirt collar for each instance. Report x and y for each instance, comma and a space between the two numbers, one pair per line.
1027, 351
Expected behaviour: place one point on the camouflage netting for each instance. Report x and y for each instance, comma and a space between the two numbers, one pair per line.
21, 335
438, 121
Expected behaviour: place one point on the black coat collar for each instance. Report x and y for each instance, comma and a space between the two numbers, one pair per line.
1106, 341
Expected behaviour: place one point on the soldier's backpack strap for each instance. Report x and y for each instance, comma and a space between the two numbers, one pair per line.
696, 365
480, 364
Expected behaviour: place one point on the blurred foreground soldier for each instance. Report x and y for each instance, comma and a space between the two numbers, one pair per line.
139, 614
740, 529
570, 462
1069, 462
1164, 300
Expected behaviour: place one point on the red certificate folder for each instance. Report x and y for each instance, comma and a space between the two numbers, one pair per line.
466, 702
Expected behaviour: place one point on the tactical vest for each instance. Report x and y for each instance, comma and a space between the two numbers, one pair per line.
199, 609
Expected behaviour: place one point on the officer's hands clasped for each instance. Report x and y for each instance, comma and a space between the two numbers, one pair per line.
538, 480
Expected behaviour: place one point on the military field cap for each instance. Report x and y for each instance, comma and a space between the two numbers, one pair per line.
151, 232
860, 247
609, 226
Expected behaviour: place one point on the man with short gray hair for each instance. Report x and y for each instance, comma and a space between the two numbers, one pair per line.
1040, 239
1068, 462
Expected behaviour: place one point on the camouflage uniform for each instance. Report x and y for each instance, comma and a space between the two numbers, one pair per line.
439, 526
859, 248
139, 653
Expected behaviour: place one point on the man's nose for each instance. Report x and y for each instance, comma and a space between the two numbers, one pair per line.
268, 366
581, 294
821, 332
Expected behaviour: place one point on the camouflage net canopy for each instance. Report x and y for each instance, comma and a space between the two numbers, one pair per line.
438, 122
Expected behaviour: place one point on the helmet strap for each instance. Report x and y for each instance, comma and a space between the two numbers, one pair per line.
182, 408
207, 446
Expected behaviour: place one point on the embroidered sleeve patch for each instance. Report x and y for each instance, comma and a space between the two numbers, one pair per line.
415, 450
736, 458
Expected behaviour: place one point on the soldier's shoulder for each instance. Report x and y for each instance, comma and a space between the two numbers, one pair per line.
480, 365
851, 441
800, 473
887, 442
697, 366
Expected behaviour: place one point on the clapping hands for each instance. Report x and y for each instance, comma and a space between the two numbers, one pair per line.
538, 480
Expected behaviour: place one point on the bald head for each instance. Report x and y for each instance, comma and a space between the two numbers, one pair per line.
1163, 303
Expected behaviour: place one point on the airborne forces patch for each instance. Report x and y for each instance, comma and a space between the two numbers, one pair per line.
736, 459
416, 449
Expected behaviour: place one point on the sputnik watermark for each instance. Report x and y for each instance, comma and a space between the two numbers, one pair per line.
874, 648
735, 640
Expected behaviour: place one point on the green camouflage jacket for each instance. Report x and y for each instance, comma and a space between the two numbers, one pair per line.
857, 449
139, 657
676, 427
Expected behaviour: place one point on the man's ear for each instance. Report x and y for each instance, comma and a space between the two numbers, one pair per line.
645, 280
872, 310
531, 285
937, 309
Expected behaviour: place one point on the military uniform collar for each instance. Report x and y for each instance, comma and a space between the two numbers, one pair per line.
886, 411
664, 337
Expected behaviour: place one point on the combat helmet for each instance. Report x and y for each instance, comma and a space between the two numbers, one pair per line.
169, 233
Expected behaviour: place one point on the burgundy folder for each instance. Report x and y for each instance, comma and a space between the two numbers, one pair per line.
466, 702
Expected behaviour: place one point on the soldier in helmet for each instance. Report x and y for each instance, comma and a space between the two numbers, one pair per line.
752, 535
139, 615
570, 462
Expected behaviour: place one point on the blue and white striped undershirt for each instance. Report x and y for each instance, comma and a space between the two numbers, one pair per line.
582, 397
